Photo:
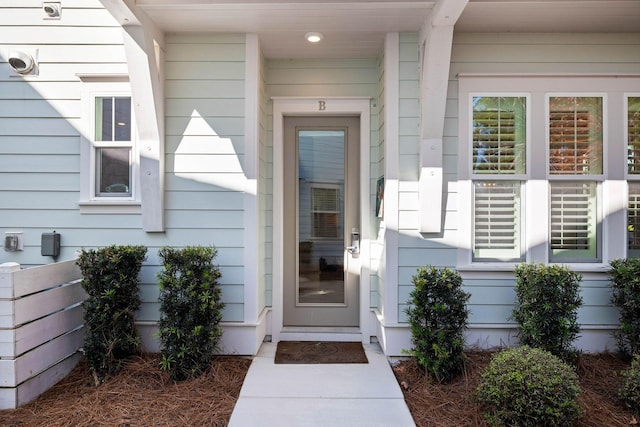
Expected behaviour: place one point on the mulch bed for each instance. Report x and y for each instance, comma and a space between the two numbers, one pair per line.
433, 404
143, 395
140, 395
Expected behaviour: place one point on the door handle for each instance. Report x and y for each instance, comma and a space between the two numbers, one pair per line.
354, 249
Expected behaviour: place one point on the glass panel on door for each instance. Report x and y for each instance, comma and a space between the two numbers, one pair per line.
321, 266
321, 191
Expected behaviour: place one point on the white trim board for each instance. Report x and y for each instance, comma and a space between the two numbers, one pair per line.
329, 106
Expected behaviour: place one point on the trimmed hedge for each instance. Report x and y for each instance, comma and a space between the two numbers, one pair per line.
438, 316
625, 295
548, 298
190, 310
110, 278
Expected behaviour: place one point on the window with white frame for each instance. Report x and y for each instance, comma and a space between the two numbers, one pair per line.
548, 170
575, 146
499, 141
109, 154
113, 146
633, 173
325, 211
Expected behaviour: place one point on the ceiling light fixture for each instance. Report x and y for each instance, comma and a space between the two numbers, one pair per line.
313, 37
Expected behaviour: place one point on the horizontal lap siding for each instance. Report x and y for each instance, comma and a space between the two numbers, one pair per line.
355, 77
205, 104
492, 294
543, 53
493, 299
40, 127
327, 78
414, 250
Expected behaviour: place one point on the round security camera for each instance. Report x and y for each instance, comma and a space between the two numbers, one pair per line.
21, 62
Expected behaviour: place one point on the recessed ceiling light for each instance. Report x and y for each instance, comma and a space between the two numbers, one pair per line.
313, 37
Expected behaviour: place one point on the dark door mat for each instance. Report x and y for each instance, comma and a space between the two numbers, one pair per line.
318, 352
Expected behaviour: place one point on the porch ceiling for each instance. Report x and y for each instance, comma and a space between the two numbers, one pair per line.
355, 28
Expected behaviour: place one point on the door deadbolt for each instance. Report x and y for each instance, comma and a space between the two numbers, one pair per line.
354, 249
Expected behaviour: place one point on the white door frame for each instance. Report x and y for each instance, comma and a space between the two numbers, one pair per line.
316, 106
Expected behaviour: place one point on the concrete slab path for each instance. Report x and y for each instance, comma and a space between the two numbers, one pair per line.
335, 395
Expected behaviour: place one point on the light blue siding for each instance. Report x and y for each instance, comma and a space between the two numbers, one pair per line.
41, 124
492, 295
357, 77
205, 152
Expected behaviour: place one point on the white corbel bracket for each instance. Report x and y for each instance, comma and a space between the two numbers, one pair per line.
436, 41
430, 186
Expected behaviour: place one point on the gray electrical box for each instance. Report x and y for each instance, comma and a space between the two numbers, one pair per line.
50, 245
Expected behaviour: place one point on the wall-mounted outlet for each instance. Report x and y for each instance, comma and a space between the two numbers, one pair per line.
13, 241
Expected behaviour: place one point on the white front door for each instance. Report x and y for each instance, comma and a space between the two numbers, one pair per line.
321, 230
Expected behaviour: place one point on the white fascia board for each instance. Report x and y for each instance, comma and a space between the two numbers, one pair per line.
436, 40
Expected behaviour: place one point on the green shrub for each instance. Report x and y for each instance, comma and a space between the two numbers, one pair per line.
437, 314
527, 386
629, 391
548, 298
190, 310
110, 278
625, 295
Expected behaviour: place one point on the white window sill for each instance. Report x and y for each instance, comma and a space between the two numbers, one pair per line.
510, 267
506, 266
110, 207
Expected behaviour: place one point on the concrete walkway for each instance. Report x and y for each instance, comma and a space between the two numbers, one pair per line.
334, 395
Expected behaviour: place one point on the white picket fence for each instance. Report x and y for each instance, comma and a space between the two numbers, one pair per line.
41, 328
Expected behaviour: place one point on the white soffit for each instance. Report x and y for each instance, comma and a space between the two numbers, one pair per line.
356, 28
352, 29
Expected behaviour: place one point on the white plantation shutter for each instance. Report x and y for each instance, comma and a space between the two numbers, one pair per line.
575, 135
575, 149
574, 221
633, 135
633, 165
496, 221
499, 135
499, 141
633, 220
325, 208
